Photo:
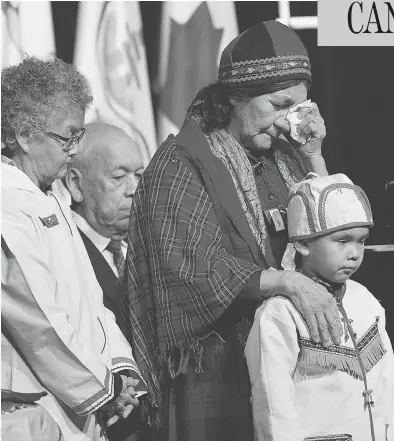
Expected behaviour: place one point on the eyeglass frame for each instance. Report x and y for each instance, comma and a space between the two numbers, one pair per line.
76, 139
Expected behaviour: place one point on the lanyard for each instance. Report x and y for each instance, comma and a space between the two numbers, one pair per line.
367, 393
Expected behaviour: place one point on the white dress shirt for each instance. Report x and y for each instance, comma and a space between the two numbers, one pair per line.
99, 241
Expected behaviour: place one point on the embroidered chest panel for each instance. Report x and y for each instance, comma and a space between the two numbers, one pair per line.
316, 360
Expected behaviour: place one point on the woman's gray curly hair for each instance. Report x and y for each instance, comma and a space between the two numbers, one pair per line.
38, 93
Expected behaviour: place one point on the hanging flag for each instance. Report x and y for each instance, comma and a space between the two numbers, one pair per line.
193, 35
27, 29
110, 52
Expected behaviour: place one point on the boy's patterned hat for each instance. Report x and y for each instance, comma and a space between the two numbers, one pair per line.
321, 205
266, 53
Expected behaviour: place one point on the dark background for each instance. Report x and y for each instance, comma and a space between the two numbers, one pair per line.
353, 87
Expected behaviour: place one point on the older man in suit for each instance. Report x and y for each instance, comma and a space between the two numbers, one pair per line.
102, 181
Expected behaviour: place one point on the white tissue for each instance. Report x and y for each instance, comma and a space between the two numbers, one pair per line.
294, 121
288, 259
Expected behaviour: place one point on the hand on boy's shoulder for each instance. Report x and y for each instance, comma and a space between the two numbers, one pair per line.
315, 304
280, 313
278, 308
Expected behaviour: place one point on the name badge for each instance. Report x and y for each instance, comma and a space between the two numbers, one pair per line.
49, 221
275, 218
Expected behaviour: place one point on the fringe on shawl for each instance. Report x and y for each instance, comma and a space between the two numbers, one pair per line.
340, 358
174, 362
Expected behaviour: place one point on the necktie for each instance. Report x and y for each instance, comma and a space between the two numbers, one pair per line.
115, 248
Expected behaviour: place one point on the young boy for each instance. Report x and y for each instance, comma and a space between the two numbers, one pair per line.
300, 389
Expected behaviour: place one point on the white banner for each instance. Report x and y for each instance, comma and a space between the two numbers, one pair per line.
193, 35
27, 29
363, 23
110, 52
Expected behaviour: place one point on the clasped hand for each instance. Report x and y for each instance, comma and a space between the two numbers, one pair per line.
122, 406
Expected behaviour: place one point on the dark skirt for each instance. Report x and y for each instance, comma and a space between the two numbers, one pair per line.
215, 404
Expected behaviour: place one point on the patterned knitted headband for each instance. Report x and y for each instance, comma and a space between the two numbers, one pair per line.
266, 53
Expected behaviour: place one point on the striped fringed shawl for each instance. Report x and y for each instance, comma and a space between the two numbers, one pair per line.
179, 276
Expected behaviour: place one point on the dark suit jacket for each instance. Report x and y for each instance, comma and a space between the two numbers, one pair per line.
107, 280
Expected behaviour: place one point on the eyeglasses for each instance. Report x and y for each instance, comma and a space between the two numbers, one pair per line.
68, 143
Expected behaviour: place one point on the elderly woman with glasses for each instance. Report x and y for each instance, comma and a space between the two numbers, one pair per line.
58, 340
